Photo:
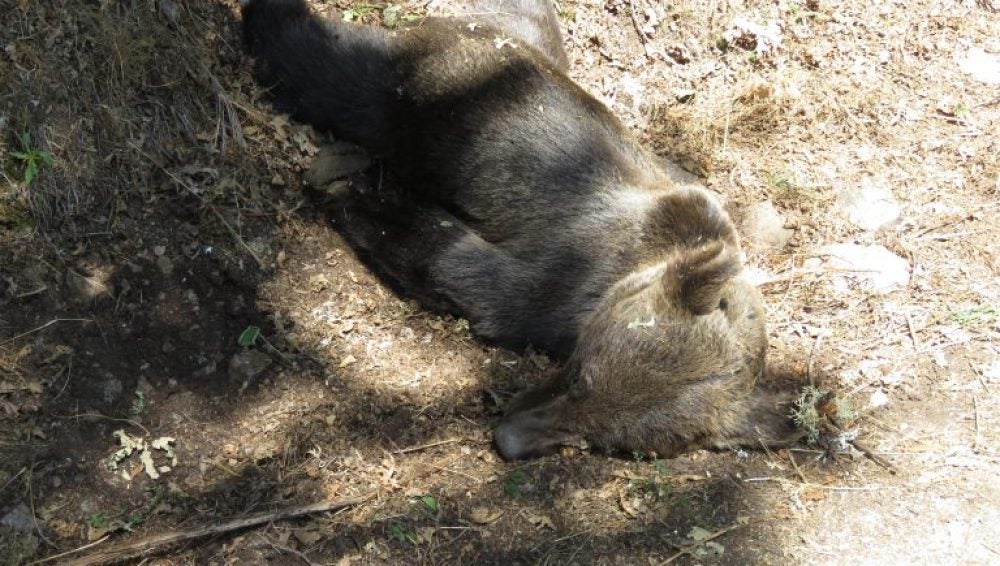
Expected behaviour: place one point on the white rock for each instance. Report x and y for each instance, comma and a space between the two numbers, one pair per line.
869, 207
765, 226
878, 399
19, 519
992, 372
983, 66
874, 267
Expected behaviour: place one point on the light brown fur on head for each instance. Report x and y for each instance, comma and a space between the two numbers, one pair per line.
662, 366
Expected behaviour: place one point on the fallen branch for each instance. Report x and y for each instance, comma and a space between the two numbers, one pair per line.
689, 549
425, 446
834, 428
42, 327
151, 544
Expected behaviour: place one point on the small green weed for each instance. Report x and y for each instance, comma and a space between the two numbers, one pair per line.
249, 336
982, 314
358, 14
783, 182
98, 520
403, 532
138, 404
655, 486
515, 482
430, 503
814, 407
394, 15
31, 158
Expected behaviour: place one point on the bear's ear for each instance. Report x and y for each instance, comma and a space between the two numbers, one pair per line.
697, 277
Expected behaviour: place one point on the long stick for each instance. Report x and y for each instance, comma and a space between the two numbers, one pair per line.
153, 543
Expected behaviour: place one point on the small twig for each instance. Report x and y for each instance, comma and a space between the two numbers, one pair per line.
815, 485
812, 358
425, 446
456, 472
975, 412
689, 549
287, 549
986, 546
913, 333
967, 216
798, 470
578, 549
37, 291
11, 480
34, 516
797, 273
233, 233
635, 22
68, 552
833, 428
100, 416
943, 346
154, 543
43, 327
187, 186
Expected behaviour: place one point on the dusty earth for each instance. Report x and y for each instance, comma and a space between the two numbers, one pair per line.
169, 218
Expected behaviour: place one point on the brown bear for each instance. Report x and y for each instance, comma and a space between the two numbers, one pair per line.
530, 211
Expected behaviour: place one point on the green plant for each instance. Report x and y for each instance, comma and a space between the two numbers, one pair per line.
393, 15
656, 485
402, 532
514, 482
138, 404
815, 408
430, 503
357, 13
98, 520
805, 413
249, 336
31, 158
977, 315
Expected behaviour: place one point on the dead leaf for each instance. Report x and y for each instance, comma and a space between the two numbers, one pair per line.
484, 515
307, 536
348, 360
813, 494
540, 521
698, 533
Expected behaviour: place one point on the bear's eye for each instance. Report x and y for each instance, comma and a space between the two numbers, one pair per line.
723, 304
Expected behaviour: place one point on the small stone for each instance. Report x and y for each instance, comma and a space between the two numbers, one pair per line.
248, 364
19, 519
869, 207
765, 226
166, 266
876, 268
983, 66
112, 390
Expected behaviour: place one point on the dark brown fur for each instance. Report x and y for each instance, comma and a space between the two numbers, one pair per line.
535, 215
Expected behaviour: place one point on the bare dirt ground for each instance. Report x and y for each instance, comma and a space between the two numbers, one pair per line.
172, 217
